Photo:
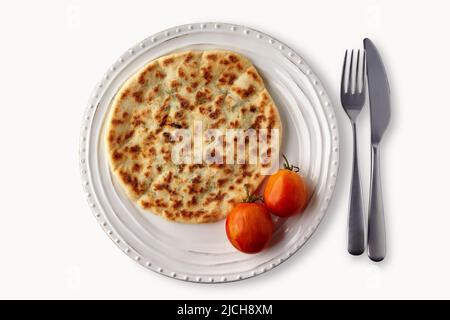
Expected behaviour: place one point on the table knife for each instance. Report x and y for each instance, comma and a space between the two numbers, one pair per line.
379, 98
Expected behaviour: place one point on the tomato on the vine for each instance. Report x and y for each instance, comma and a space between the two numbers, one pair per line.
285, 192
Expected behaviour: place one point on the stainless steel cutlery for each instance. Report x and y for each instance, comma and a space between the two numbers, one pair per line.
353, 96
380, 113
353, 93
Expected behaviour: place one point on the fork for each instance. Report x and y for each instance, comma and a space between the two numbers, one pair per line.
353, 99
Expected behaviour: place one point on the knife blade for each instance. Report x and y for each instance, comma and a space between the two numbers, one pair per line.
379, 92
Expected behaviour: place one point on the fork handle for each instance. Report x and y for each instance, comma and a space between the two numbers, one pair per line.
356, 241
376, 229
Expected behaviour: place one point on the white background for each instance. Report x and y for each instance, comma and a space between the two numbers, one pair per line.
54, 52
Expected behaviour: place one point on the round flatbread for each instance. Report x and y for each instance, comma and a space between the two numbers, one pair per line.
217, 90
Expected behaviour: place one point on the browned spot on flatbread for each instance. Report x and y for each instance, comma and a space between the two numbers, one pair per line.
227, 78
254, 76
160, 74
212, 57
233, 58
245, 93
137, 95
117, 155
168, 61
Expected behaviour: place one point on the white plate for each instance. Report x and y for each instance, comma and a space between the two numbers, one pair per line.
201, 253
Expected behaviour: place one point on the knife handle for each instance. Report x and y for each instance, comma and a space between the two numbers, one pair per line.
376, 229
356, 243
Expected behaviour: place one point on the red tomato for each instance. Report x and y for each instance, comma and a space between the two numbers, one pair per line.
285, 193
249, 227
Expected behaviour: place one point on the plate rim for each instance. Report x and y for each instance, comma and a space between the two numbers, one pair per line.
154, 41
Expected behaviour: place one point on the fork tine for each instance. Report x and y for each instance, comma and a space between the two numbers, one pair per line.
343, 89
350, 75
357, 74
